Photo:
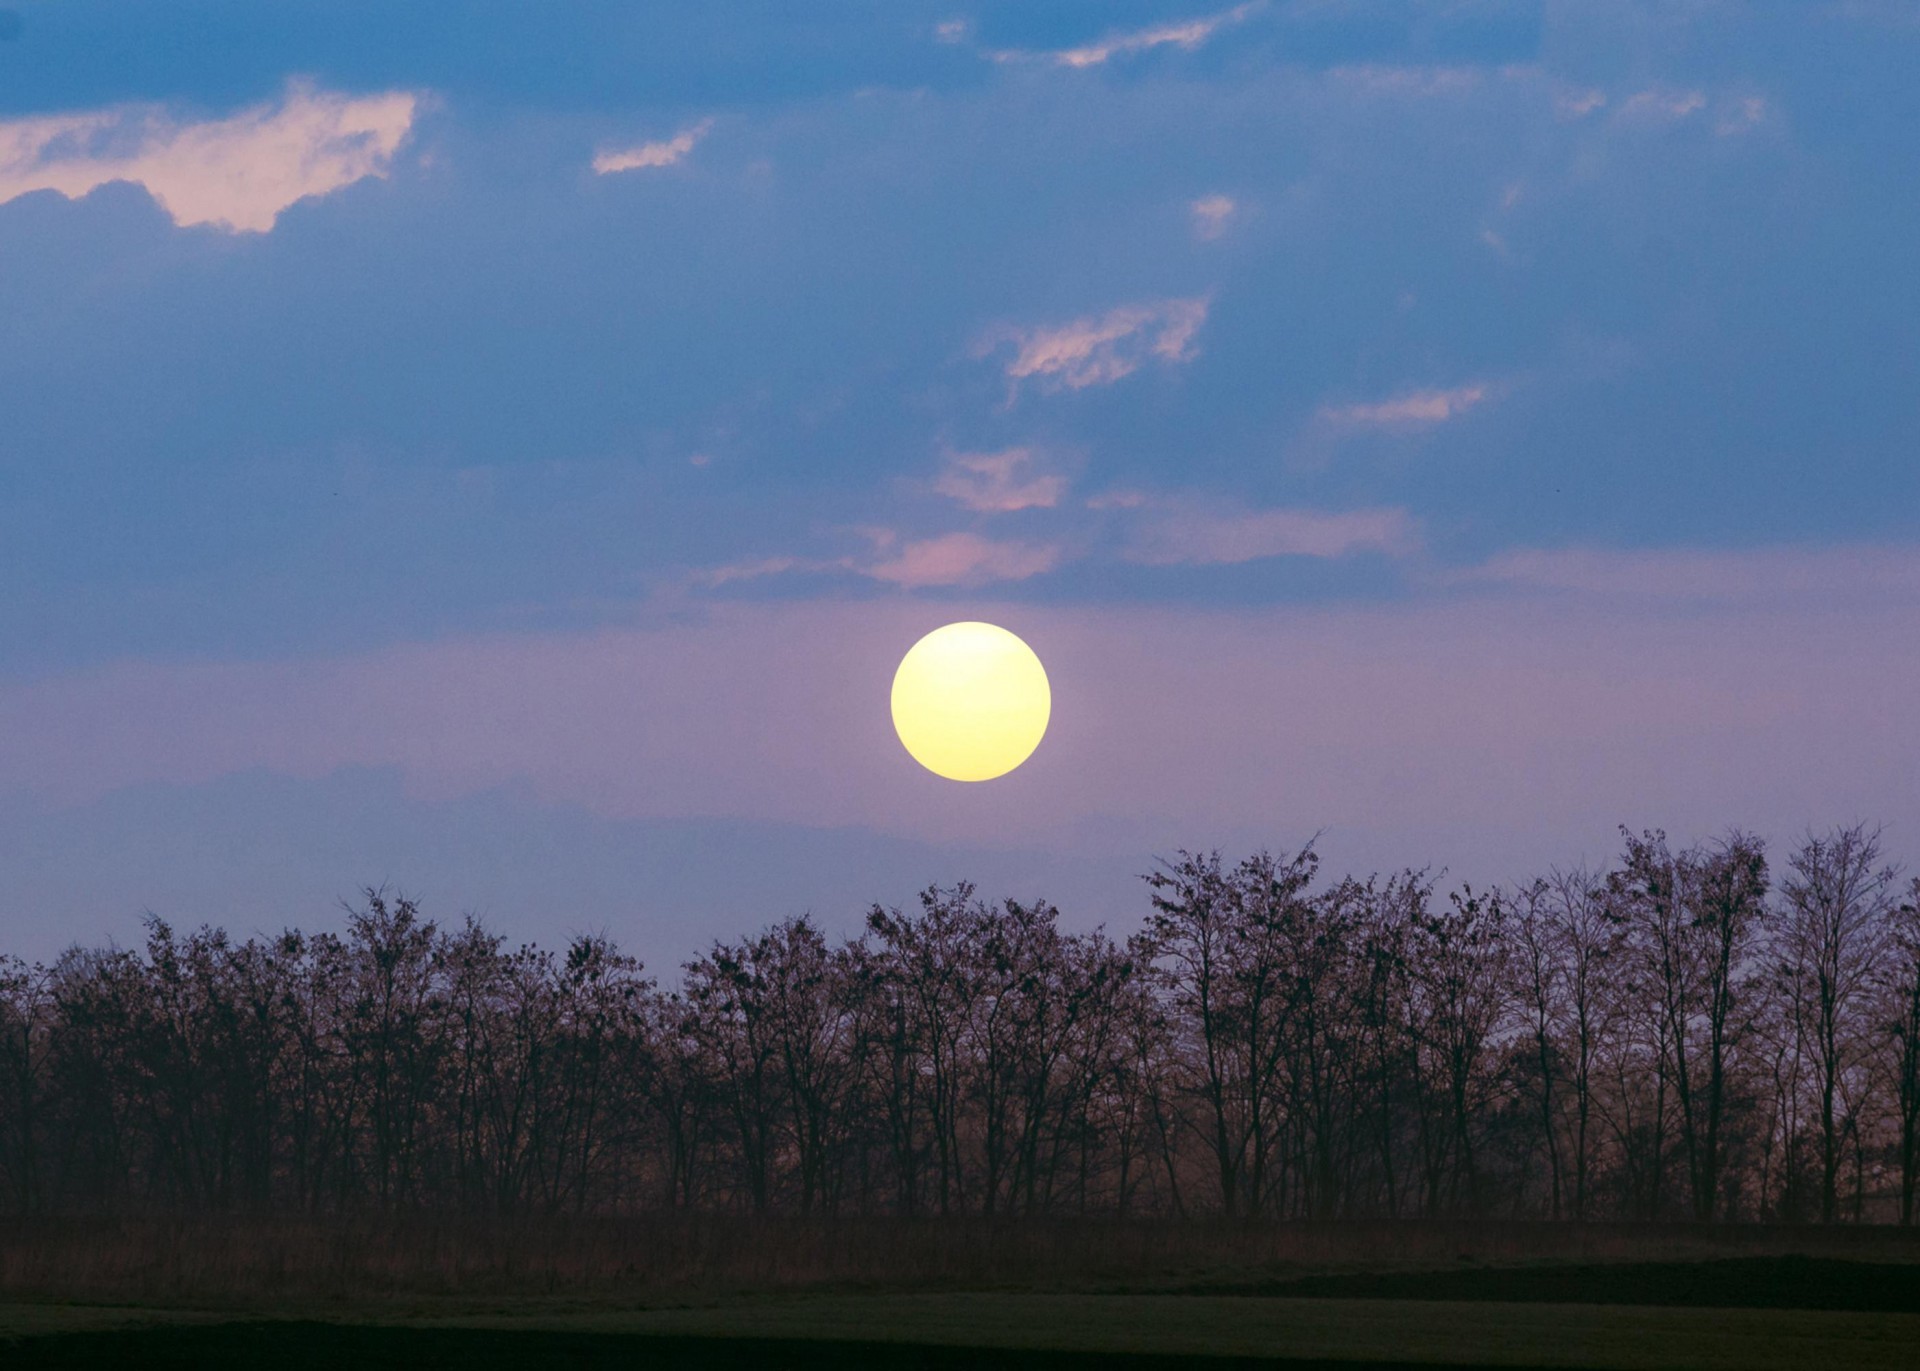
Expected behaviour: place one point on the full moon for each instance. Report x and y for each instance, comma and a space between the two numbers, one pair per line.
971, 701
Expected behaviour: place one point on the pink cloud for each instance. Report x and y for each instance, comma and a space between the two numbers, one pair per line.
664, 153
962, 559
1662, 105
1210, 215
237, 173
1183, 533
1741, 116
1187, 34
999, 482
1758, 576
714, 577
1416, 408
950, 559
1406, 82
1098, 351
1577, 102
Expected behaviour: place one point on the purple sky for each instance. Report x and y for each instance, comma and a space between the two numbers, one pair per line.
507, 459
1490, 733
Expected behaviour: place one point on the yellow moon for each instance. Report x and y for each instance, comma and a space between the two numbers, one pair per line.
971, 701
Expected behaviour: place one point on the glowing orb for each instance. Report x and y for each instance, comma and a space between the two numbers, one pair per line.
971, 701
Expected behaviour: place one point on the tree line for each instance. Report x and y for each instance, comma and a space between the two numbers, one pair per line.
1685, 1034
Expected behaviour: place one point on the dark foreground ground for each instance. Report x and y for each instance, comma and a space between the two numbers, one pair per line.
1787, 1282
1752, 1312
334, 1347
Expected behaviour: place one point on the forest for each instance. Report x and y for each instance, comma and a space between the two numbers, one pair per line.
1711, 1033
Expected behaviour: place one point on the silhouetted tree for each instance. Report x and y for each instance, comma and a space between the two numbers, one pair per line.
1900, 985
1838, 899
1669, 1036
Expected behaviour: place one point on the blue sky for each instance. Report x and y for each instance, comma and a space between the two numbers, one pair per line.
1459, 426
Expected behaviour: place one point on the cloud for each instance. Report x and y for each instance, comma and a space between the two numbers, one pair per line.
950, 559
962, 559
660, 154
1665, 105
1406, 82
1662, 105
1210, 215
1578, 102
1741, 116
1099, 351
1154, 530
1416, 408
1894, 14
999, 482
1186, 34
713, 577
1186, 533
236, 173
1758, 576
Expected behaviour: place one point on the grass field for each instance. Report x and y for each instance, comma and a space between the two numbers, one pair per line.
1711, 1301
887, 1330
241, 1262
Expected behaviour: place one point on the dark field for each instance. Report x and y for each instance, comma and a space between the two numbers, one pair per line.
300, 1345
1041, 1295
1005, 1330
276, 1263
1790, 1282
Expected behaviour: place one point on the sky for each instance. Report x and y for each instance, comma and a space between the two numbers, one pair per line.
501, 451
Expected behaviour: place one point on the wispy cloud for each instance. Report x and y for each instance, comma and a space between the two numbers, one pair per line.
949, 559
1187, 34
1414, 409
664, 153
1894, 14
1099, 350
1741, 116
962, 559
1758, 576
999, 482
1415, 82
236, 173
711, 578
1578, 102
1180, 531
1662, 105
1211, 215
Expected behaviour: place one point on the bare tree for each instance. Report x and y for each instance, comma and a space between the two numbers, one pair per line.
1650, 890
1727, 897
812, 1027
1585, 935
1900, 984
1838, 898
26, 1013
1213, 938
1262, 1045
1189, 940
730, 1017
1543, 994
1461, 982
